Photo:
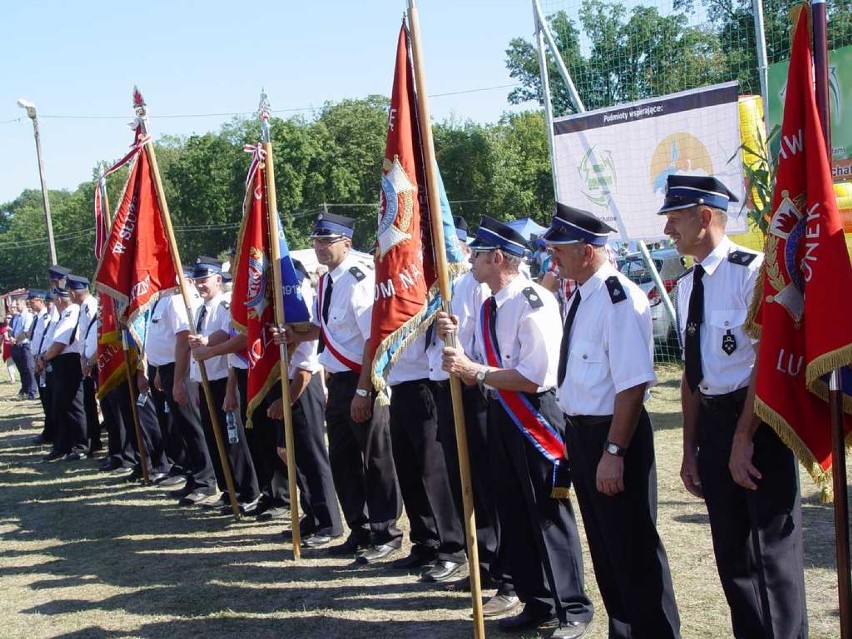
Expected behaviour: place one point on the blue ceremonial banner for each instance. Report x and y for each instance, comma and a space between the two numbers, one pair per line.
295, 309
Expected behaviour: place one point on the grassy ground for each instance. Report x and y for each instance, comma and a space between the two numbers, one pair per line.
86, 556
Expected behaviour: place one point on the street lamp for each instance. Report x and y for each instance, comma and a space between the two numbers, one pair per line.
30, 108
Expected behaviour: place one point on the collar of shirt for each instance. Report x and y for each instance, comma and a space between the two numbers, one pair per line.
717, 256
596, 281
344, 266
214, 301
510, 290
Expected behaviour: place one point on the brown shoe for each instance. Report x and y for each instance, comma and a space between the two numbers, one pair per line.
500, 605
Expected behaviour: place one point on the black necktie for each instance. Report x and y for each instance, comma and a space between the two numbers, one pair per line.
692, 340
326, 303
566, 337
201, 317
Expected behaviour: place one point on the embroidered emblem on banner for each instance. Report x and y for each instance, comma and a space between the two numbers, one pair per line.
397, 206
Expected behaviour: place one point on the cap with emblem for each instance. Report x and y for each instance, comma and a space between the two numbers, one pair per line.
684, 191
571, 226
57, 272
36, 294
493, 234
205, 267
331, 225
60, 292
461, 227
77, 282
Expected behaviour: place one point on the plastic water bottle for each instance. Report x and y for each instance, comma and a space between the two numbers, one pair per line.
42, 380
141, 399
166, 408
233, 433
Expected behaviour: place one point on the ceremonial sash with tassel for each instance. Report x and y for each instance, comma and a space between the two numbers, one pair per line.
532, 424
333, 348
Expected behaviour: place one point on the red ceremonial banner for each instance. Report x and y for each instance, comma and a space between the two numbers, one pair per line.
252, 308
801, 307
110, 356
402, 280
137, 265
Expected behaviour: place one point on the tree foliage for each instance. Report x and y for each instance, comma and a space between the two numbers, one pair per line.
330, 161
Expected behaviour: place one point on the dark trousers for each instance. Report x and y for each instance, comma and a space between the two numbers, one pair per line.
539, 537
24, 362
152, 437
362, 465
317, 497
481, 476
630, 563
173, 441
90, 407
119, 424
48, 433
422, 471
237, 454
67, 405
757, 534
188, 431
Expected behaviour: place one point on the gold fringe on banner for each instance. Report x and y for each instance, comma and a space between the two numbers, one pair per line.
752, 327
791, 439
827, 363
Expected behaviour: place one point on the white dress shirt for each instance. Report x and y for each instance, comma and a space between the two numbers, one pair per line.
527, 337
611, 346
728, 288
412, 363
305, 356
88, 324
160, 342
40, 324
67, 331
468, 295
349, 314
217, 318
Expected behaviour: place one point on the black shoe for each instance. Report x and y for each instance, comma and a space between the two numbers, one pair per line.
274, 512
73, 456
121, 471
172, 481
156, 478
53, 456
571, 630
216, 503
317, 541
417, 558
500, 605
183, 492
376, 553
193, 498
109, 465
38, 440
353, 544
528, 618
249, 509
444, 571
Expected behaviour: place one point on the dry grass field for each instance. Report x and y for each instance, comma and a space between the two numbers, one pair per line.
84, 555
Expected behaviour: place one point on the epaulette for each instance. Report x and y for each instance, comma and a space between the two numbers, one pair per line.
743, 258
357, 273
226, 305
616, 289
532, 297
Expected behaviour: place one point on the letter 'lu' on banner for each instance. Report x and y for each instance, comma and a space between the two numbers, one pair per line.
406, 299
252, 308
801, 306
137, 266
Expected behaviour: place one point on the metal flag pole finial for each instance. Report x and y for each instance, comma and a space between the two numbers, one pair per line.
263, 111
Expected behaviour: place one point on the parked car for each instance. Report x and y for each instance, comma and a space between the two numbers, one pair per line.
671, 266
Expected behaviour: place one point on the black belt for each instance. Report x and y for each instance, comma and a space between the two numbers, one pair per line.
722, 402
589, 420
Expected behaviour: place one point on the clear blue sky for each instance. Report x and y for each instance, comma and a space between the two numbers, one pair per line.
193, 57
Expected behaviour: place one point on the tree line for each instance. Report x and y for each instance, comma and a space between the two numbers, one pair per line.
332, 160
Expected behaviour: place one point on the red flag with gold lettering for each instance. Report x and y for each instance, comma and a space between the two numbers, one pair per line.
801, 307
137, 265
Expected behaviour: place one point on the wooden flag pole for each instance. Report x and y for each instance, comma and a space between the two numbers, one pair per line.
131, 387
835, 392
133, 391
446, 294
280, 320
141, 113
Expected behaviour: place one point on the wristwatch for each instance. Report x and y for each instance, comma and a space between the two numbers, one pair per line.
362, 392
615, 449
480, 375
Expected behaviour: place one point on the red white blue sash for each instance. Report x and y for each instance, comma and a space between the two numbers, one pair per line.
330, 345
534, 426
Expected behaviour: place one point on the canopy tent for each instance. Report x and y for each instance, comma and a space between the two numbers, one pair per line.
527, 227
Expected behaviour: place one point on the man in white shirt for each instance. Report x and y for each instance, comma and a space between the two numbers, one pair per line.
37, 338
62, 362
88, 303
22, 355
